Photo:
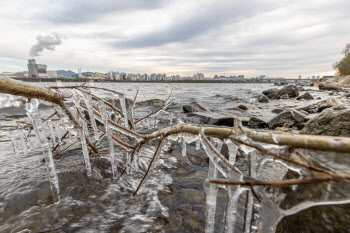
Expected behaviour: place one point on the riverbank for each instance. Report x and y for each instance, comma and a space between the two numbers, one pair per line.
268, 81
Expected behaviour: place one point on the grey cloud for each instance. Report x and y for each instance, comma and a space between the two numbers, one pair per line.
84, 11
197, 22
45, 42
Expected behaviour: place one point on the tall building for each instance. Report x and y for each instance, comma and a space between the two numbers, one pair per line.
32, 69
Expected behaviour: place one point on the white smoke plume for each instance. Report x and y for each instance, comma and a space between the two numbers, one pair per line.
45, 42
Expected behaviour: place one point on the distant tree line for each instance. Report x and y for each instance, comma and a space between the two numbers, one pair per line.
343, 66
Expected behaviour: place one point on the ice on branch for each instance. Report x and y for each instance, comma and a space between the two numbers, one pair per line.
33, 113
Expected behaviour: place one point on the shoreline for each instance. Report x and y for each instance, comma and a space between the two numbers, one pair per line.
141, 81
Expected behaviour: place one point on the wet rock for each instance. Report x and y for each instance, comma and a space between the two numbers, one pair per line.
290, 90
305, 96
263, 99
255, 122
334, 102
285, 96
193, 107
287, 118
277, 110
330, 122
313, 108
271, 93
329, 86
242, 107
323, 107
326, 219
211, 118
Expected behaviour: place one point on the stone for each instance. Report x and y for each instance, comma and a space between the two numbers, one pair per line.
287, 118
290, 90
193, 107
304, 112
255, 122
330, 122
305, 96
277, 110
242, 107
210, 118
313, 108
271, 93
329, 86
334, 102
323, 107
263, 99
285, 96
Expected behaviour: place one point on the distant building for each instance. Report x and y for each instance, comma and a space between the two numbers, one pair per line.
36, 70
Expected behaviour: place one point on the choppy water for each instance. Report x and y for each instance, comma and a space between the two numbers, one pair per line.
171, 201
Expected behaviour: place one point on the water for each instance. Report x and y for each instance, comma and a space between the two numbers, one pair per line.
102, 204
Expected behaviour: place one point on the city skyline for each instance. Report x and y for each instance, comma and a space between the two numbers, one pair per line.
276, 38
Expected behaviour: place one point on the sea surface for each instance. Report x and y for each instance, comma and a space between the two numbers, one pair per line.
172, 200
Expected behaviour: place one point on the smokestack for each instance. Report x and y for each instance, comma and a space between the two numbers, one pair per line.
45, 42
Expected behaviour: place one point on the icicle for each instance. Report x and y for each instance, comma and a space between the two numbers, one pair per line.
250, 198
32, 111
90, 107
58, 132
233, 191
85, 148
110, 140
120, 129
125, 113
211, 198
53, 137
198, 144
171, 118
14, 142
23, 141
128, 162
232, 151
184, 149
219, 163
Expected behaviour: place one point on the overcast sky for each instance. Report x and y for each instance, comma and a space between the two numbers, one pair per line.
251, 37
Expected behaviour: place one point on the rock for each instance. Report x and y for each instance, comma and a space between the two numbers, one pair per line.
242, 107
255, 122
277, 110
323, 107
318, 98
193, 107
290, 90
305, 96
329, 86
263, 99
301, 88
325, 219
313, 108
334, 102
211, 118
330, 122
288, 118
271, 93
312, 84
285, 96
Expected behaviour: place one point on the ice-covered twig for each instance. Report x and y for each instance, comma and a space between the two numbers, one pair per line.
159, 109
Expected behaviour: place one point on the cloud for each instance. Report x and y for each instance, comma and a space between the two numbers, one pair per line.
45, 42
196, 22
85, 11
